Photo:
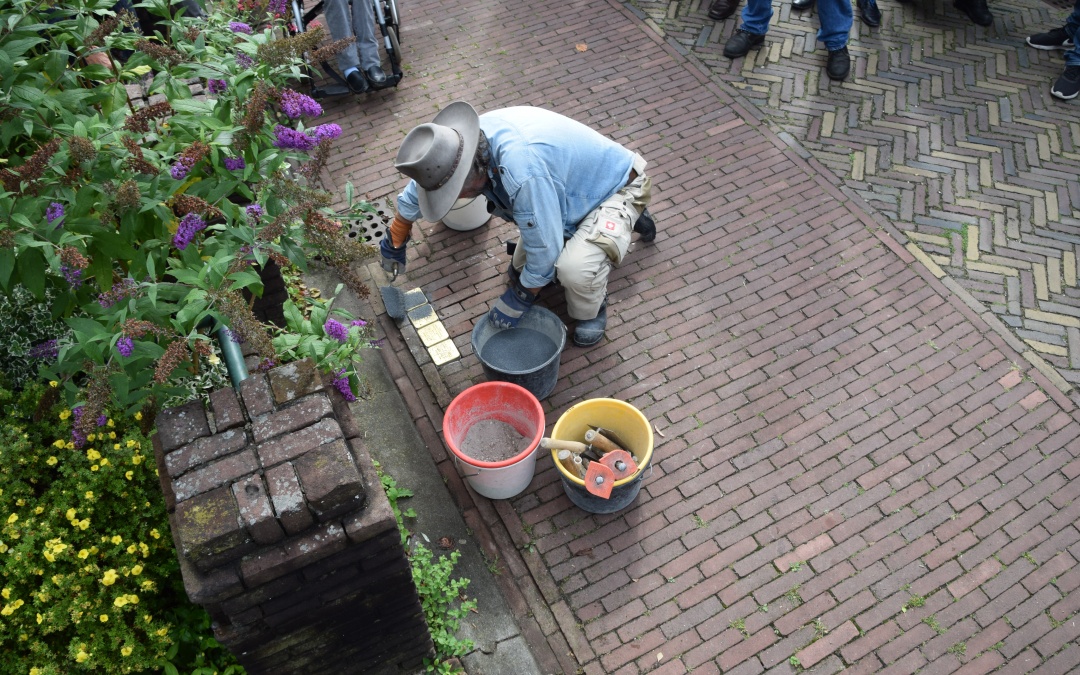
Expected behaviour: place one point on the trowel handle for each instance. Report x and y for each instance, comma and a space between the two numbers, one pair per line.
556, 444
600, 441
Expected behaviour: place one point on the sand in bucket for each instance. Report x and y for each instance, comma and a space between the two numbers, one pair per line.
493, 441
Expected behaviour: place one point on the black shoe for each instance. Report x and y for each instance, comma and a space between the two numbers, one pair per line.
839, 64
801, 5
356, 82
976, 10
646, 226
1068, 85
1054, 39
722, 9
375, 76
869, 12
590, 331
741, 43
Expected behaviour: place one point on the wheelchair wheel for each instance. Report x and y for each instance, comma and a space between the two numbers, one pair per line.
395, 46
392, 18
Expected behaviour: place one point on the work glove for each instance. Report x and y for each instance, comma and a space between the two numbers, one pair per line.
509, 308
392, 246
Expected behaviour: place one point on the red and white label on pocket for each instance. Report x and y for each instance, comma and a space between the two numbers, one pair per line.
609, 225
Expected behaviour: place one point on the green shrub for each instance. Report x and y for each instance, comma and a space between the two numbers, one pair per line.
26, 324
90, 577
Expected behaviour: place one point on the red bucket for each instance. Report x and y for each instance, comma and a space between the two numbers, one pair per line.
503, 402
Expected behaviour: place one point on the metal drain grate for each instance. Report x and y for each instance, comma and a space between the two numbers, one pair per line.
370, 228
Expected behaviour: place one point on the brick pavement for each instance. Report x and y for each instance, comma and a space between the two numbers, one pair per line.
855, 470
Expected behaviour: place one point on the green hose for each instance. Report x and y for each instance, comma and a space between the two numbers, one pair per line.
234, 358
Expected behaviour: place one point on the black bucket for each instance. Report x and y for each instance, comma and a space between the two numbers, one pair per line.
527, 356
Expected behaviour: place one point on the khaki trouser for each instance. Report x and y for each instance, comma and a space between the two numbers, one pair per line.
600, 242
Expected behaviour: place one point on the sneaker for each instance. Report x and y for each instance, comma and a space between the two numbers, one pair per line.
741, 43
590, 331
1068, 85
839, 64
1055, 39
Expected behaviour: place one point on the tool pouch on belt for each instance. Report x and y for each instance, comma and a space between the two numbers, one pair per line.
609, 227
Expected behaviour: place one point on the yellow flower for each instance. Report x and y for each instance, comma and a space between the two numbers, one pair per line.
35, 670
3, 547
137, 570
129, 474
91, 437
49, 556
138, 415
54, 383
115, 446
51, 461
110, 577
104, 618
5, 594
64, 414
70, 445
104, 461
93, 550
110, 423
12, 518
94, 467
144, 548
71, 514
136, 459
84, 523
131, 443
89, 494
121, 601
161, 632
58, 443
125, 651
116, 539
132, 548
83, 554
112, 434
40, 618
147, 585
155, 534
132, 598
81, 656
92, 454
38, 509
213, 359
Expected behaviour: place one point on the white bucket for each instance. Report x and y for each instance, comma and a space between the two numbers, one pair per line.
503, 483
467, 214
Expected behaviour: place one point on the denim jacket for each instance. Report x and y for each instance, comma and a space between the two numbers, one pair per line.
547, 173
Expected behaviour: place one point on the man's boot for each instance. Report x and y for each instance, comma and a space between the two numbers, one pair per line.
645, 226
977, 11
590, 331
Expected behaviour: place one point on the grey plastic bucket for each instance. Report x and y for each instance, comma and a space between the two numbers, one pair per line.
539, 380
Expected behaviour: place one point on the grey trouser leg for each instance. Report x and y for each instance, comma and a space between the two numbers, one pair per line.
359, 22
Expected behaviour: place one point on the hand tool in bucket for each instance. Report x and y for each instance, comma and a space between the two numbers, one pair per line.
606, 439
584, 449
621, 463
599, 480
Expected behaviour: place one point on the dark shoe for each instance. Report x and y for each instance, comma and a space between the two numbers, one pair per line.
356, 82
839, 64
1055, 39
646, 226
1068, 85
869, 12
976, 10
741, 43
722, 9
375, 76
801, 5
590, 331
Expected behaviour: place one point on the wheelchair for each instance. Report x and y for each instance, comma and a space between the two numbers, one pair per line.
388, 22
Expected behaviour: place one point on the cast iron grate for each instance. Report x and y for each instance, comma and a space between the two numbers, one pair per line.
371, 227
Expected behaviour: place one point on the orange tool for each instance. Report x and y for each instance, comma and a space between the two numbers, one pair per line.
621, 463
599, 480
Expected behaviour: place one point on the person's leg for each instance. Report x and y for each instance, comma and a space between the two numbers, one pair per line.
1068, 85
756, 16
836, 18
363, 21
338, 20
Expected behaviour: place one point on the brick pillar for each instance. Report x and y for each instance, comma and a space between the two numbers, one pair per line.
284, 533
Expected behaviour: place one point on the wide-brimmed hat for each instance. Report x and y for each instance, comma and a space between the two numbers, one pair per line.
438, 157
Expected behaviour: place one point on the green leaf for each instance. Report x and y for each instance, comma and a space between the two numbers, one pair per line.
194, 106
32, 270
293, 317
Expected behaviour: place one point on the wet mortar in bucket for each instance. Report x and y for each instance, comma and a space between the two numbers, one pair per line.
519, 350
527, 355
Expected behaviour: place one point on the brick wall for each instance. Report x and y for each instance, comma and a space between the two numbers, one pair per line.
283, 531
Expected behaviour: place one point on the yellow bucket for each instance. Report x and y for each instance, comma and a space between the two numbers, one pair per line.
629, 425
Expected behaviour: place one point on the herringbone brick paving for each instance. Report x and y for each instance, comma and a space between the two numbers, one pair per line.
855, 470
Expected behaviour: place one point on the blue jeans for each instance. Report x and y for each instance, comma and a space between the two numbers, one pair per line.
1072, 27
835, 17
355, 20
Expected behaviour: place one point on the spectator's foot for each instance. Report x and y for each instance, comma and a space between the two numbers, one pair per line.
590, 331
976, 10
375, 76
741, 43
722, 9
356, 82
869, 12
800, 5
839, 64
1055, 39
1068, 85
